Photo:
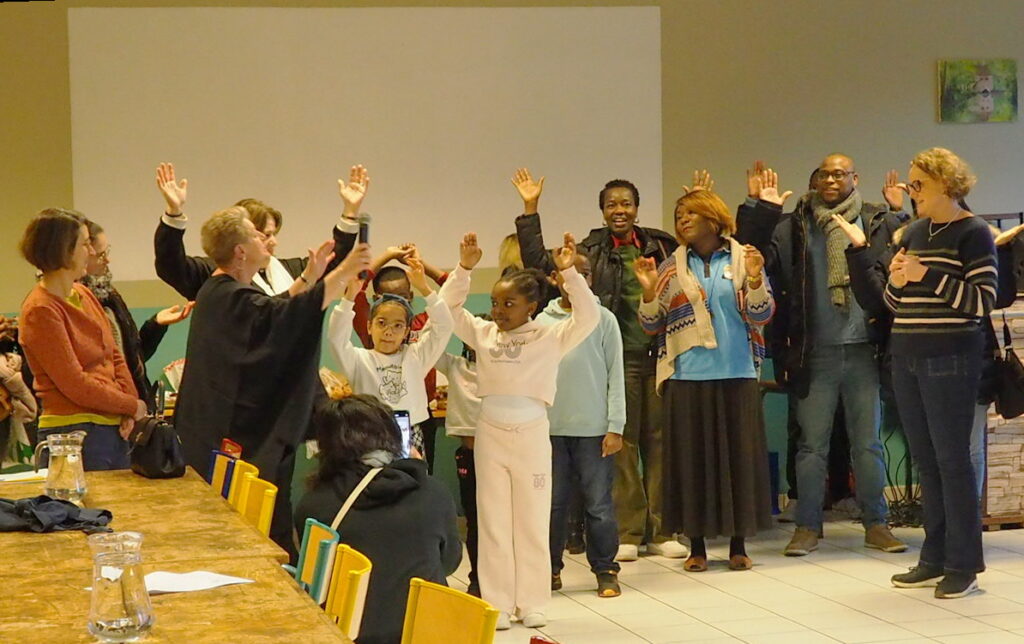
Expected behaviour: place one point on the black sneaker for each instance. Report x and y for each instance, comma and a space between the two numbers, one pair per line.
918, 577
556, 582
474, 589
956, 584
608, 584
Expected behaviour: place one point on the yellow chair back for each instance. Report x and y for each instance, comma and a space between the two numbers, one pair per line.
433, 611
256, 502
237, 475
346, 596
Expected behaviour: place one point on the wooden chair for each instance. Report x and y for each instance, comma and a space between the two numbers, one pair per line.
256, 502
234, 484
221, 466
316, 559
436, 614
347, 594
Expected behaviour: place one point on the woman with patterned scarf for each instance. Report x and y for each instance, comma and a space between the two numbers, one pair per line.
137, 345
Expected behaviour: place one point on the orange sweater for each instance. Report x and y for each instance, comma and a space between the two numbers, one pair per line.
72, 355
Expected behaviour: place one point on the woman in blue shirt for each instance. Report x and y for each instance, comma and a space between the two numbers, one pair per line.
707, 303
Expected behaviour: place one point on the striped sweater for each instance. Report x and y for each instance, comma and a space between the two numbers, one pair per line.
681, 326
941, 314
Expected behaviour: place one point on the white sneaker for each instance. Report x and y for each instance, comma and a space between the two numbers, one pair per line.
671, 549
788, 514
627, 552
535, 620
504, 622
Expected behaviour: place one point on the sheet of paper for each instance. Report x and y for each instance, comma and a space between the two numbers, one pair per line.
24, 477
171, 582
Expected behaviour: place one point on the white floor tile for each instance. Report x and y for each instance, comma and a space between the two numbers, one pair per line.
954, 626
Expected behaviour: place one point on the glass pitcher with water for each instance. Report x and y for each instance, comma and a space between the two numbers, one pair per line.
120, 610
65, 478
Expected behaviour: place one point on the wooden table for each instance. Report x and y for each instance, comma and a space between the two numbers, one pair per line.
186, 526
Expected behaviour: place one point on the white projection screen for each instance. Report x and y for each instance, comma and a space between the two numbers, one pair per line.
440, 104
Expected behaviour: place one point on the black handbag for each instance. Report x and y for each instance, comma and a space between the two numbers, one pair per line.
1009, 391
155, 449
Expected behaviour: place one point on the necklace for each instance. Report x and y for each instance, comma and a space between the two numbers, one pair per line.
932, 234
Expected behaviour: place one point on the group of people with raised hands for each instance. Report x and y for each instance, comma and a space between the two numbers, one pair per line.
621, 370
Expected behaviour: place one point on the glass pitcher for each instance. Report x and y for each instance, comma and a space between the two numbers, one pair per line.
65, 478
120, 610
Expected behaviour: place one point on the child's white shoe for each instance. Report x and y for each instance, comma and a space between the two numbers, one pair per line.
504, 622
535, 620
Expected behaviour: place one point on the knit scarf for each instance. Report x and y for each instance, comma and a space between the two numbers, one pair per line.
836, 243
100, 285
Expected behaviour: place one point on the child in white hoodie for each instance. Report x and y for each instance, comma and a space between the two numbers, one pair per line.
517, 366
393, 370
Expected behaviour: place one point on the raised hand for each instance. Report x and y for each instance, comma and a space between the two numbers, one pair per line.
7, 327
701, 181
175, 192
565, 256
357, 261
753, 262
646, 271
770, 188
353, 192
529, 190
352, 290
469, 251
418, 276
754, 180
892, 190
319, 258
853, 232
403, 252
174, 314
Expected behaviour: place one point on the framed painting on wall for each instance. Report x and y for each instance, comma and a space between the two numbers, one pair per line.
978, 91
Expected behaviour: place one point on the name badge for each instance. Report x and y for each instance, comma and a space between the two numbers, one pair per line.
727, 272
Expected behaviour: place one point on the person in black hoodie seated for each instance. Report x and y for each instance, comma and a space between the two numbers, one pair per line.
404, 520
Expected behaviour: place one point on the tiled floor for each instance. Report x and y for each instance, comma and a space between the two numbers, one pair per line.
840, 593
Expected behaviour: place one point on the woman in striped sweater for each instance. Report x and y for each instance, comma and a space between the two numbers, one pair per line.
707, 304
942, 283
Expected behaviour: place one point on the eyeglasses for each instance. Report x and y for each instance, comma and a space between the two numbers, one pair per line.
837, 175
914, 185
105, 254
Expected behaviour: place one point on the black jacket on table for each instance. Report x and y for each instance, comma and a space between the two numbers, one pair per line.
186, 274
404, 521
868, 276
605, 264
782, 239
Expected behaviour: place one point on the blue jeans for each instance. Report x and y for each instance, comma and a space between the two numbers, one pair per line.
580, 458
936, 398
103, 448
850, 370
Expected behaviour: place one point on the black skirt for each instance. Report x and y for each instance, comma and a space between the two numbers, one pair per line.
715, 459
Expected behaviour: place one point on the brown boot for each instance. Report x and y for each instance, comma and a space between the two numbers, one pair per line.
804, 542
879, 537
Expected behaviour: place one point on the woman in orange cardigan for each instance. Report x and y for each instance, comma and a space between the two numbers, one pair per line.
80, 377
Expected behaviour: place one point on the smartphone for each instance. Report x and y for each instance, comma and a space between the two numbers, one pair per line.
405, 426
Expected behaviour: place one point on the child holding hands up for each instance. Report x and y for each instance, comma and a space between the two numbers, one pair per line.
517, 361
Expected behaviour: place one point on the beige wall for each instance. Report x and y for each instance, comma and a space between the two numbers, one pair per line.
786, 80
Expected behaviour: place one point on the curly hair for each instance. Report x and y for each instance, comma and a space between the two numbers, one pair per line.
947, 168
711, 207
618, 183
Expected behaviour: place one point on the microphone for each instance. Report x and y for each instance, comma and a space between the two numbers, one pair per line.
364, 237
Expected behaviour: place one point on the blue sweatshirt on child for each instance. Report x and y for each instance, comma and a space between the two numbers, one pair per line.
591, 395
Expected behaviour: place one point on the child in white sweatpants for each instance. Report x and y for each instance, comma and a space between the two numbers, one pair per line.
517, 365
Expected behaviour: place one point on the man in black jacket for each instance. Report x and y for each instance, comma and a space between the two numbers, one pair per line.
824, 344
612, 249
